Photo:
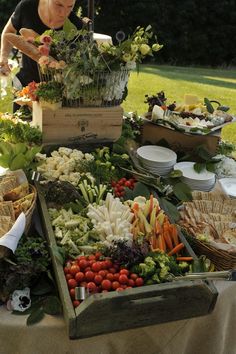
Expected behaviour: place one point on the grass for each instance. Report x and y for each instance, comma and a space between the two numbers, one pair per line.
215, 84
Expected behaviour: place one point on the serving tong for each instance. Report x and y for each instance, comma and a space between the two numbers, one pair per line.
218, 275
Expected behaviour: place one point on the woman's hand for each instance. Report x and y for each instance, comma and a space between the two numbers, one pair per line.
4, 68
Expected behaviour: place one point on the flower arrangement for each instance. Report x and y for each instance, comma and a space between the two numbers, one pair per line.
92, 73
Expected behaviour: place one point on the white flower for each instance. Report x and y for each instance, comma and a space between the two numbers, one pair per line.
20, 300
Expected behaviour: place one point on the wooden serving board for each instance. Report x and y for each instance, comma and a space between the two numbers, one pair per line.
132, 308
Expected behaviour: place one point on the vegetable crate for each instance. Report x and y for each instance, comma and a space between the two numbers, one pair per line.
178, 141
70, 125
143, 306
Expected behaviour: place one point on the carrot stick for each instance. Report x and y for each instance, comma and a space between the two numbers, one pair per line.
162, 243
157, 227
185, 259
168, 239
135, 207
176, 249
174, 234
151, 204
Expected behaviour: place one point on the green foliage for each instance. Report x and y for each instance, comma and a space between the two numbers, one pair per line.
49, 91
18, 156
19, 132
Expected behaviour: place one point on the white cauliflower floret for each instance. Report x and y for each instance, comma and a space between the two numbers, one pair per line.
88, 157
77, 155
64, 151
54, 153
40, 156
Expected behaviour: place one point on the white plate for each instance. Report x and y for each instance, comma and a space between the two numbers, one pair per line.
204, 175
181, 165
152, 154
229, 185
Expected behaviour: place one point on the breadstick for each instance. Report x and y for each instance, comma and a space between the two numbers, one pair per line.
25, 47
28, 33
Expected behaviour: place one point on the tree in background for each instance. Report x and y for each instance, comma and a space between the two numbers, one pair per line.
194, 32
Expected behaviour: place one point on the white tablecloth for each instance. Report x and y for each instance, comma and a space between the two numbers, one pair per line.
212, 334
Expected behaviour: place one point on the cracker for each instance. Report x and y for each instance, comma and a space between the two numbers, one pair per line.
6, 208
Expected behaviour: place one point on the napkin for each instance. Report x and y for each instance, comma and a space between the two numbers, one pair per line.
12, 237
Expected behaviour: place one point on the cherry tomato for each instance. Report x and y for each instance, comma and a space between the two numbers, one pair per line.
133, 276
119, 289
83, 263
110, 276
89, 275
124, 271
96, 266
98, 279
108, 263
103, 265
90, 263
74, 269
72, 283
131, 283
128, 184
113, 184
112, 270
102, 273
80, 258
91, 257
116, 276
68, 276
66, 270
139, 282
91, 286
98, 255
106, 284
72, 293
115, 285
123, 279
87, 269
84, 284
76, 303
79, 276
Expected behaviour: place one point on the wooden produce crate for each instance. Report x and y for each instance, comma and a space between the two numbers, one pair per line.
143, 306
178, 141
69, 125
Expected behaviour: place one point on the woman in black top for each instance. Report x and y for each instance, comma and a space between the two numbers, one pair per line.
38, 15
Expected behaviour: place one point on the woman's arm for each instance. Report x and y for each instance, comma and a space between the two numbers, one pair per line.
5, 48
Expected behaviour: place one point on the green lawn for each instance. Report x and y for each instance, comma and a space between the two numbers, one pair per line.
216, 84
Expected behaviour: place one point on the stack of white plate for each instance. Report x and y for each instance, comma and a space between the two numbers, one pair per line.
157, 159
228, 185
203, 181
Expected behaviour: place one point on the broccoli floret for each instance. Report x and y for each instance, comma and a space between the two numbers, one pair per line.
147, 268
184, 266
164, 272
155, 278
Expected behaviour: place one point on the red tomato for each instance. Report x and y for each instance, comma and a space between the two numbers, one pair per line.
112, 270
121, 188
131, 283
123, 286
80, 258
115, 285
68, 276
110, 276
98, 279
108, 263
89, 275
139, 282
133, 276
72, 293
79, 276
98, 255
86, 269
106, 284
123, 279
90, 263
113, 184
84, 284
76, 303
83, 263
72, 283
91, 257
116, 276
102, 273
124, 271
74, 269
96, 266
128, 184
66, 270
91, 286
103, 265
119, 289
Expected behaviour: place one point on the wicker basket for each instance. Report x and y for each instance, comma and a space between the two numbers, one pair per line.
222, 260
30, 211
90, 88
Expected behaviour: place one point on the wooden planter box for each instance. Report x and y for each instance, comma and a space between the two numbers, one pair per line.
70, 125
178, 141
115, 311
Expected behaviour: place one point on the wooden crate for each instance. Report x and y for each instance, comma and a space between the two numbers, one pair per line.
178, 141
116, 311
70, 125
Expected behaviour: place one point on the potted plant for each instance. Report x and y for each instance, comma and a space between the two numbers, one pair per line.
49, 94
